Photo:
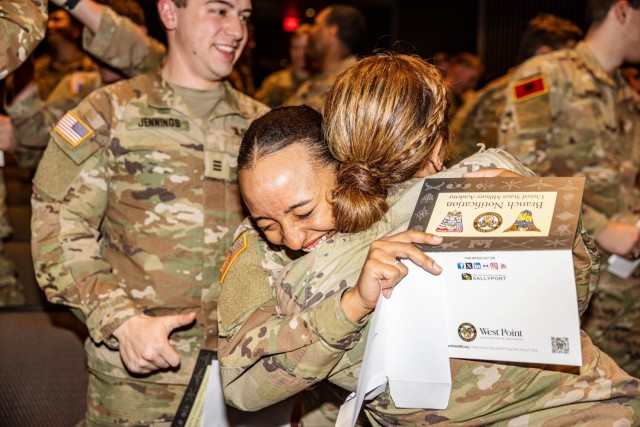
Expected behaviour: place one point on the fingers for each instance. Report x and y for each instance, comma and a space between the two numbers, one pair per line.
177, 321
144, 342
491, 173
386, 251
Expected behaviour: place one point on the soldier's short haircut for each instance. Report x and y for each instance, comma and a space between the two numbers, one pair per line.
128, 8
351, 25
547, 29
180, 3
466, 59
597, 10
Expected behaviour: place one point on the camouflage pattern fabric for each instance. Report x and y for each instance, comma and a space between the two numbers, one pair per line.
478, 119
586, 123
277, 87
48, 73
11, 290
313, 90
133, 210
22, 27
76, 85
34, 119
118, 41
5, 227
302, 336
123, 45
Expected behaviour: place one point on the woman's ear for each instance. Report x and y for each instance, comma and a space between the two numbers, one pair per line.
434, 162
167, 13
436, 156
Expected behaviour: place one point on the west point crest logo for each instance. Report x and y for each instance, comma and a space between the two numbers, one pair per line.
467, 332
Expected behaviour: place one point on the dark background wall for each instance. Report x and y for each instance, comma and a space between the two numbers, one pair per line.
489, 28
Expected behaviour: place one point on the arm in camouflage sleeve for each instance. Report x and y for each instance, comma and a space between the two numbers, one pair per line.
69, 201
122, 44
22, 26
281, 354
33, 121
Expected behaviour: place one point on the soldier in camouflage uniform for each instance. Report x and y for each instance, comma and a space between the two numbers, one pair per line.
463, 73
22, 26
64, 54
279, 86
33, 119
295, 325
477, 121
571, 113
121, 24
134, 204
335, 37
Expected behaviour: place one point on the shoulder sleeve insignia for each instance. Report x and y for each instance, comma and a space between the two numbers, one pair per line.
529, 88
78, 83
238, 246
73, 129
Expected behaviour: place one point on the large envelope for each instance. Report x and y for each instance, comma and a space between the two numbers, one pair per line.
507, 291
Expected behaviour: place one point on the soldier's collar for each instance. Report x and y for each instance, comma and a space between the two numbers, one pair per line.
162, 96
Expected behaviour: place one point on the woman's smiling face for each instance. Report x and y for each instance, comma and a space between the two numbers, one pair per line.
289, 197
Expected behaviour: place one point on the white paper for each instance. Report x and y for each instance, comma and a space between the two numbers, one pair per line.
520, 306
406, 348
621, 267
214, 413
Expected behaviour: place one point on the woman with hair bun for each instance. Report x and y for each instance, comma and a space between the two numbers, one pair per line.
291, 319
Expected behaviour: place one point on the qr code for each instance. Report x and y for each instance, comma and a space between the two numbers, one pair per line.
560, 345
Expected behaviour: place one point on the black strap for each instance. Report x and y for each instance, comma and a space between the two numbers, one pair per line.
205, 357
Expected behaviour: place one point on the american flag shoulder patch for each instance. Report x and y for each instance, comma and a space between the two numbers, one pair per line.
238, 246
529, 88
78, 83
73, 129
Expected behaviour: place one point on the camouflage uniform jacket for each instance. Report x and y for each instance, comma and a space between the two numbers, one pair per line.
277, 87
478, 119
76, 85
136, 217
313, 90
48, 73
22, 27
581, 122
293, 333
34, 118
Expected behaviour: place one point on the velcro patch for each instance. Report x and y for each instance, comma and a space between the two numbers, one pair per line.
529, 88
78, 83
72, 129
238, 246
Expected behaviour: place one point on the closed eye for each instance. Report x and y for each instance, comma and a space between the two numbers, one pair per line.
305, 215
266, 227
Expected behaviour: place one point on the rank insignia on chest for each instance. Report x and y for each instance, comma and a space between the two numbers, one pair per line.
529, 88
73, 129
238, 246
217, 166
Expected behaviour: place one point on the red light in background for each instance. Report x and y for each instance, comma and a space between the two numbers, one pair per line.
290, 23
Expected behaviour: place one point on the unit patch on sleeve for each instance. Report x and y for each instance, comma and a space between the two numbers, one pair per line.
72, 129
238, 246
529, 88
